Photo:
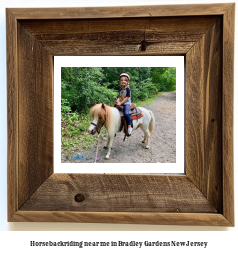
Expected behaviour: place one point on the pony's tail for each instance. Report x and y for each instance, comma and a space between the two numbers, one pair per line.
152, 124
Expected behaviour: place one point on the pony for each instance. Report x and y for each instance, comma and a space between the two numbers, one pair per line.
111, 119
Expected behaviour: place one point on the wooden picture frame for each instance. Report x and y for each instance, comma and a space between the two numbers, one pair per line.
204, 34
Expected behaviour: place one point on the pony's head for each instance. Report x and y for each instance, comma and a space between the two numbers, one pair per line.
101, 114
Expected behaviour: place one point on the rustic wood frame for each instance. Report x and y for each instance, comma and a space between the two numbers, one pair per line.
204, 34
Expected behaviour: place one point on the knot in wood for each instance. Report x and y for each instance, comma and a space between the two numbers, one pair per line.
79, 198
144, 45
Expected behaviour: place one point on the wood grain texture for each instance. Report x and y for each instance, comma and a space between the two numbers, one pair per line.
121, 12
227, 113
35, 114
204, 196
66, 48
12, 116
204, 114
48, 29
119, 36
192, 219
114, 193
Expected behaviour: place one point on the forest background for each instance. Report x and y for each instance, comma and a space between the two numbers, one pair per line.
82, 86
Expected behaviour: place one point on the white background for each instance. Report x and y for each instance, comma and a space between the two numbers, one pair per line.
118, 61
19, 241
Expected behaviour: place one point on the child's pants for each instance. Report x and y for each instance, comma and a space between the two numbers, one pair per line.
126, 113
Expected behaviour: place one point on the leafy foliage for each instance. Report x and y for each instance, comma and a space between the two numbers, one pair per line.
164, 78
82, 86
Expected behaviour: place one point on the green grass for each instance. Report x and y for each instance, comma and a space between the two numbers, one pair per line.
74, 133
148, 101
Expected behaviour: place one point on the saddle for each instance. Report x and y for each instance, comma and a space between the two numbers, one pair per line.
135, 113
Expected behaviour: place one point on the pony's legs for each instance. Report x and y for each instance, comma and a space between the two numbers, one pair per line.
146, 137
109, 145
108, 141
147, 142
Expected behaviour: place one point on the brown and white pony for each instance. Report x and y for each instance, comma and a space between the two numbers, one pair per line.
111, 119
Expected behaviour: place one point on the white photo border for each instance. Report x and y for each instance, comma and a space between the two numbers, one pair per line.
119, 61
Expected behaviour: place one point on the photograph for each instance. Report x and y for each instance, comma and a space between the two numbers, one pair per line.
131, 111
118, 114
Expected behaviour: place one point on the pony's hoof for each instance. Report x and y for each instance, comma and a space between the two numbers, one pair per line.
105, 147
147, 147
143, 141
106, 158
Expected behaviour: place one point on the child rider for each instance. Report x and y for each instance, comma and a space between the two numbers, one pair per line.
124, 98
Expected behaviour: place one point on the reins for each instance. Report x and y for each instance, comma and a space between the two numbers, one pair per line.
95, 161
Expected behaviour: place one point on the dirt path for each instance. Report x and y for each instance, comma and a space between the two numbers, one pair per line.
163, 143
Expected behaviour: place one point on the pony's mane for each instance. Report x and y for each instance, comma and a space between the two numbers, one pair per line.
97, 110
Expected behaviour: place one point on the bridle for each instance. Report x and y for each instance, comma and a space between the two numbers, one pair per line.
100, 125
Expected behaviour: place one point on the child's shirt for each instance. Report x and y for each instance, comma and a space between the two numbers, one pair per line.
123, 93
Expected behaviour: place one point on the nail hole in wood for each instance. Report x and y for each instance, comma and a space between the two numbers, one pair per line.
213, 120
79, 198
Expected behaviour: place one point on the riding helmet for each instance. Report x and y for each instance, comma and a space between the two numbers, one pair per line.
124, 75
